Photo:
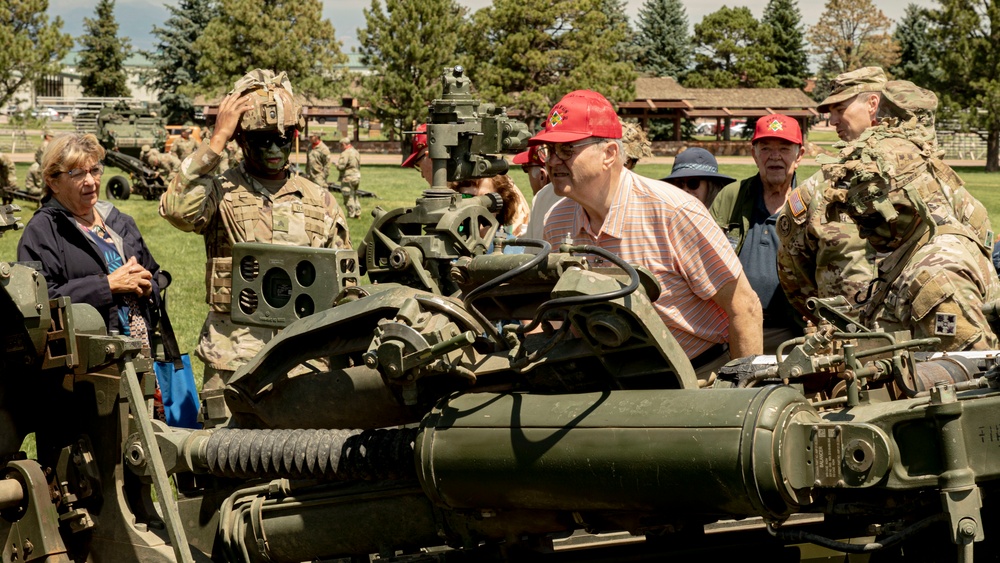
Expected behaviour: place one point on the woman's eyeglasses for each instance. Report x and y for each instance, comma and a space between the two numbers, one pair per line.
78, 174
690, 184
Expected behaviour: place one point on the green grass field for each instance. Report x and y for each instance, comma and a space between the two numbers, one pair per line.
183, 254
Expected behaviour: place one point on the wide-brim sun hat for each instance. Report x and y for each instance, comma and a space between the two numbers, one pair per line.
696, 162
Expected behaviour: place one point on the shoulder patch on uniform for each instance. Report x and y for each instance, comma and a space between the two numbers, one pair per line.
945, 324
795, 203
784, 225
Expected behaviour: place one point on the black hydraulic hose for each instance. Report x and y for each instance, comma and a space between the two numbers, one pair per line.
801, 536
495, 282
586, 299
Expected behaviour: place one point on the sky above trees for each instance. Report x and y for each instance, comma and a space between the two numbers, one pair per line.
137, 17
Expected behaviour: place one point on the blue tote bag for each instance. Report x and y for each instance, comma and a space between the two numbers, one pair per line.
173, 373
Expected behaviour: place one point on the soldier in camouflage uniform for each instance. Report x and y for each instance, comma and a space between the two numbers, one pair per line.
231, 156
257, 201
635, 142
821, 253
8, 179
936, 273
184, 146
318, 161
166, 164
349, 165
34, 183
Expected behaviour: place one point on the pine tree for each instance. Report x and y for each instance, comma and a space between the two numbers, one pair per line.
663, 38
731, 50
103, 54
918, 51
281, 35
406, 74
789, 53
614, 11
32, 46
175, 60
854, 34
535, 51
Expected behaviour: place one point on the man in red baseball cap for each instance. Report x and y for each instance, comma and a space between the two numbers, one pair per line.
748, 213
418, 157
706, 301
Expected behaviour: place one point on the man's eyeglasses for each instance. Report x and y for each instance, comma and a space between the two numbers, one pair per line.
78, 174
565, 151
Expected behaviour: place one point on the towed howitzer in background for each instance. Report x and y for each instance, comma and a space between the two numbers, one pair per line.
122, 131
417, 414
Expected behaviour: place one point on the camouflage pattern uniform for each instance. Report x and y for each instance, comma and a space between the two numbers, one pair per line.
34, 183
937, 272
182, 147
8, 179
166, 164
821, 253
349, 165
231, 157
318, 164
237, 207
635, 142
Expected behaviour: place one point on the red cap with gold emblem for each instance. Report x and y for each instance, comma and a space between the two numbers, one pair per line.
777, 126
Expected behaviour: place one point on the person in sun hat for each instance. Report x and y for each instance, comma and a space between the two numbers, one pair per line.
748, 213
697, 172
706, 301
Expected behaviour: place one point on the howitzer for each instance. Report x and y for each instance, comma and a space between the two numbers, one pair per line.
122, 130
475, 405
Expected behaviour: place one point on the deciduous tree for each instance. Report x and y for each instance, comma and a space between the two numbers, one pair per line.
102, 54
663, 39
175, 60
32, 46
281, 35
731, 51
789, 43
854, 34
968, 34
406, 73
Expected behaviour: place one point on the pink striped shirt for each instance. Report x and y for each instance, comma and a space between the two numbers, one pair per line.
671, 234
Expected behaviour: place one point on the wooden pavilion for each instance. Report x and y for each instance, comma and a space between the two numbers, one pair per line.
664, 98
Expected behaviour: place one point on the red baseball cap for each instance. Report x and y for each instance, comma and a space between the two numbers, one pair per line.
777, 126
529, 157
579, 115
419, 143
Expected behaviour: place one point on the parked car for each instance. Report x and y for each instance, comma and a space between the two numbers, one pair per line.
45, 113
737, 129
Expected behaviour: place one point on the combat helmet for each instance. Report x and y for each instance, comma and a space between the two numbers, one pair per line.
274, 105
904, 100
635, 142
887, 180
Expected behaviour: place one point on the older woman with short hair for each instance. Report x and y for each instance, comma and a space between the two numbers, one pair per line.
88, 250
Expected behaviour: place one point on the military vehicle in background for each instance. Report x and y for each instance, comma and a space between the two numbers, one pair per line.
411, 420
122, 131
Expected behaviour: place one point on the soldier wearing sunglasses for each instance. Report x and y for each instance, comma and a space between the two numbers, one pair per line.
258, 201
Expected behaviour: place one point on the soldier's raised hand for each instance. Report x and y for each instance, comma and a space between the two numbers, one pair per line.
231, 110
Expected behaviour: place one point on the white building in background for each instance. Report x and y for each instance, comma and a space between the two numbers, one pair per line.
66, 84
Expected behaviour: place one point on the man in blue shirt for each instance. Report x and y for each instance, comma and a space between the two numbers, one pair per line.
747, 213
